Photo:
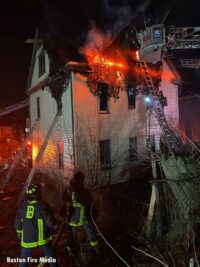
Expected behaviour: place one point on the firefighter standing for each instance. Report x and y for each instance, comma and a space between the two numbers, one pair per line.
33, 223
77, 204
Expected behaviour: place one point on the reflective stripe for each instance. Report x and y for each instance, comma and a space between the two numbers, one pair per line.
80, 220
81, 215
40, 230
34, 244
32, 202
32, 190
40, 241
19, 231
77, 205
94, 243
74, 196
75, 224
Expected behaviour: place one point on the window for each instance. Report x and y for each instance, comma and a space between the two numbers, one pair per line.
38, 107
61, 154
41, 60
103, 90
105, 155
133, 148
131, 97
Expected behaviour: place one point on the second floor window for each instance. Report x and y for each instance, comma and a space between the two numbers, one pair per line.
41, 62
105, 155
103, 90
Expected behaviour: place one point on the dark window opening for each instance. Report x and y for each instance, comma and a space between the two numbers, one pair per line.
38, 107
131, 97
133, 148
61, 154
41, 59
103, 90
105, 155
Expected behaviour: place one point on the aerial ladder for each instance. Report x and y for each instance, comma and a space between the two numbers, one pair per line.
15, 107
156, 42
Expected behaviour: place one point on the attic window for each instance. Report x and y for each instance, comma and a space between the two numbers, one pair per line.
41, 62
131, 92
103, 90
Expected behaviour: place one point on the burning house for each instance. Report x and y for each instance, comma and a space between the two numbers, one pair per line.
104, 125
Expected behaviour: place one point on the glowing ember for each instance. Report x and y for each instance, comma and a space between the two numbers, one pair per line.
106, 62
137, 55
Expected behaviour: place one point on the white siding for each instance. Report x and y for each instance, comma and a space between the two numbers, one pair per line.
62, 131
35, 79
117, 126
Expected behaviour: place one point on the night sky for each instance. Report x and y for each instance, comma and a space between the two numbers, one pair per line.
68, 22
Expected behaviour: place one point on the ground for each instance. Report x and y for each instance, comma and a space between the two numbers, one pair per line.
121, 213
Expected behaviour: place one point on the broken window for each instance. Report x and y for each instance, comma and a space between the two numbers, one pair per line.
105, 155
38, 107
133, 148
131, 97
103, 91
41, 60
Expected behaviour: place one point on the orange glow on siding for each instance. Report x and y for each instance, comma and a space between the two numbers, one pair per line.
35, 151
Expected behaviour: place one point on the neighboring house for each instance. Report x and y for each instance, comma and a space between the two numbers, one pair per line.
100, 133
189, 117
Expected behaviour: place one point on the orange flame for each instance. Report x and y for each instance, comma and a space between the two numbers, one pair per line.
105, 62
137, 55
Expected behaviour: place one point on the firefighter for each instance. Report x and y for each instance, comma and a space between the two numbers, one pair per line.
33, 224
77, 203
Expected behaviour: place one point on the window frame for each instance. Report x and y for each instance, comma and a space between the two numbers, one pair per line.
107, 110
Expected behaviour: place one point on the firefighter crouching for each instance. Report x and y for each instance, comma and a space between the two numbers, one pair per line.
76, 209
33, 223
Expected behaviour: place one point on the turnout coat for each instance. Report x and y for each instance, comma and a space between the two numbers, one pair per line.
33, 223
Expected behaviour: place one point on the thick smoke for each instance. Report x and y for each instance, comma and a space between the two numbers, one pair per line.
116, 19
122, 15
96, 40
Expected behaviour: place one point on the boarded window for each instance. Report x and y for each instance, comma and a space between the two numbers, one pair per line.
133, 148
38, 107
105, 155
41, 60
103, 90
131, 92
